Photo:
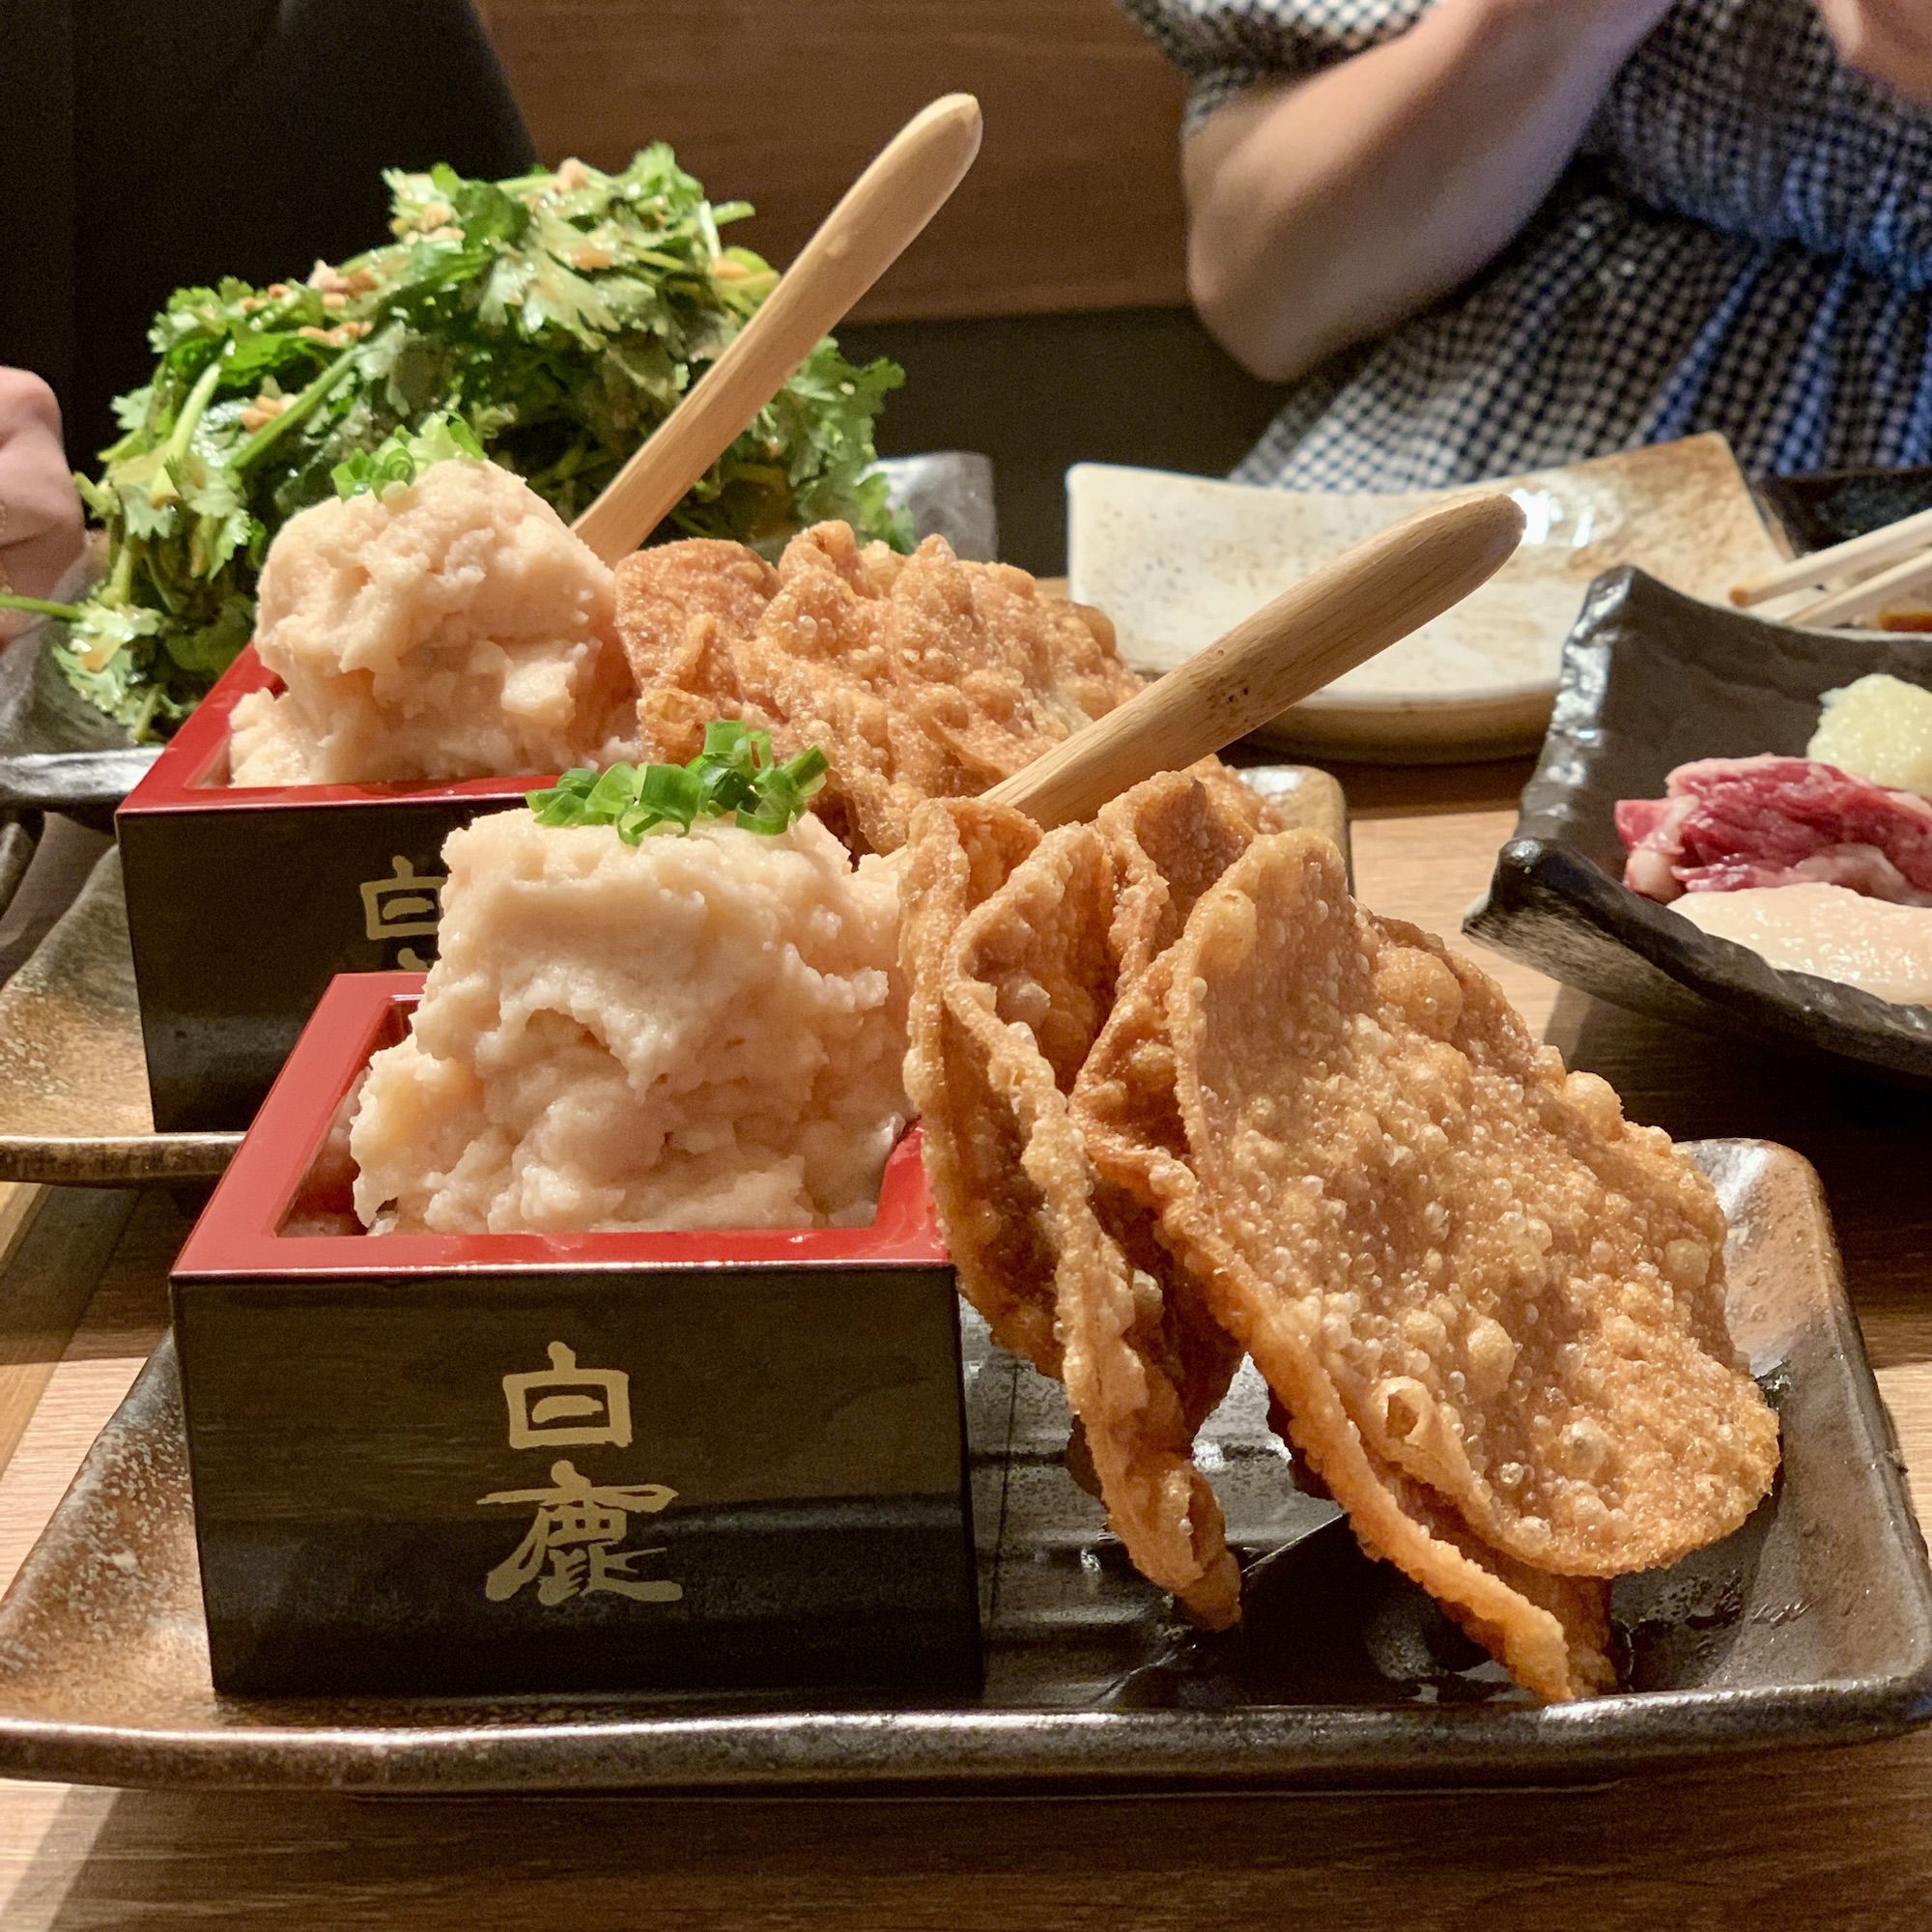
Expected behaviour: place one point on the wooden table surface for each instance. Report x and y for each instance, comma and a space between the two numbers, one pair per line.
1805, 1839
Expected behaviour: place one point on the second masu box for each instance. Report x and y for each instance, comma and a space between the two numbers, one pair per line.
244, 901
598, 1462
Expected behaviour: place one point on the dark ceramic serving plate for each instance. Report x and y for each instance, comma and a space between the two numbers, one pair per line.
57, 753
1651, 679
1831, 506
1812, 1625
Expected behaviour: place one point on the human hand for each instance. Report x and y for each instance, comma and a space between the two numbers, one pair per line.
1887, 40
42, 528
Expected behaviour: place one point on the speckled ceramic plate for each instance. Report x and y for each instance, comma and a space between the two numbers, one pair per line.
1176, 560
1652, 679
1811, 1625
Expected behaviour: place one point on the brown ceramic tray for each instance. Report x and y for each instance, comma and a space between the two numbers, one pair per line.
73, 1082
1812, 1625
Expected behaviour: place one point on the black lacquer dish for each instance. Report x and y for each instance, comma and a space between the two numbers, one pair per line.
1831, 506
1650, 681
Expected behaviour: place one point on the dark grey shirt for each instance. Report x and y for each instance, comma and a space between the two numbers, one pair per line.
150, 144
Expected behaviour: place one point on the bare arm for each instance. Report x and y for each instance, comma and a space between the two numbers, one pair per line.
1888, 39
40, 530
1327, 210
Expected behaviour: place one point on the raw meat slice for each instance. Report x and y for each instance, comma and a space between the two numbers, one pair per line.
1725, 824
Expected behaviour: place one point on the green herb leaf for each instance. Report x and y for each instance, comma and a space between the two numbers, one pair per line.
733, 778
41, 607
555, 321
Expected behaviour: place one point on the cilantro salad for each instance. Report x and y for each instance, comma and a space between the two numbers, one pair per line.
551, 321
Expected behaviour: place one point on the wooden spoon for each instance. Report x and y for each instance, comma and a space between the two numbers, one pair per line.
857, 242
1332, 620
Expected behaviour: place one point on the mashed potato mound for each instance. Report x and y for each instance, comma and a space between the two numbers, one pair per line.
701, 1032
449, 628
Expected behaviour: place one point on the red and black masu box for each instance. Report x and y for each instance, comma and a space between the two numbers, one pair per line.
490, 1463
244, 901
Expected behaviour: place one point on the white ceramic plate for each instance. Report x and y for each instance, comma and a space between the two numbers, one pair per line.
1176, 560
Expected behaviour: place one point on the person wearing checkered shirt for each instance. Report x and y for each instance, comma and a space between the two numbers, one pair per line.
1479, 237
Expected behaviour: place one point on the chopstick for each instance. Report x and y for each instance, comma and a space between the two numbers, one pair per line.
1867, 595
881, 212
1853, 558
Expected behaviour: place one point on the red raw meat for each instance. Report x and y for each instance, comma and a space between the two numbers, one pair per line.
1724, 823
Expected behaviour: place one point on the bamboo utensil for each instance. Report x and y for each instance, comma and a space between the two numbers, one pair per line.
904, 188
1869, 594
1901, 545
1335, 618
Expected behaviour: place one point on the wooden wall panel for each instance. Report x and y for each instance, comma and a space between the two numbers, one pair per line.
1074, 204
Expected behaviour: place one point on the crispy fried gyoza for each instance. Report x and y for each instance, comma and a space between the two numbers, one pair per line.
1492, 1308
918, 676
684, 610
1169, 839
1012, 986
970, 1138
1512, 1624
1038, 948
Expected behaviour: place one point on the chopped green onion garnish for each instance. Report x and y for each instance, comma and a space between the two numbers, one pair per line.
732, 777
404, 456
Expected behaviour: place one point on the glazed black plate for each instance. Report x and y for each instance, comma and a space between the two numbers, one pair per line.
1650, 681
1834, 505
57, 753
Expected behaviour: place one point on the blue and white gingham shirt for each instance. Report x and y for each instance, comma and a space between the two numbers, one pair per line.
1743, 243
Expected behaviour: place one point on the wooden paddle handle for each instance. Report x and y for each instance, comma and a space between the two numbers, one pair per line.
905, 187
1329, 622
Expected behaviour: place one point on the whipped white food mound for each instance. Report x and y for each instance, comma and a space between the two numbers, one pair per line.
701, 1032
448, 628
1828, 931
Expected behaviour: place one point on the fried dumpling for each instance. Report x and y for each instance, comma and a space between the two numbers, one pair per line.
1014, 978
1492, 1308
920, 676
